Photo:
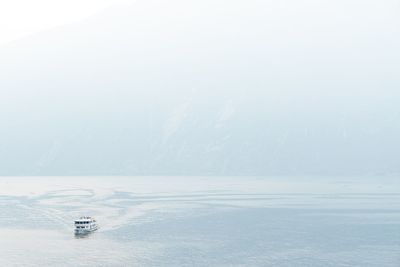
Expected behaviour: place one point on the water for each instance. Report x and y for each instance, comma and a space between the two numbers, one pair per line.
201, 221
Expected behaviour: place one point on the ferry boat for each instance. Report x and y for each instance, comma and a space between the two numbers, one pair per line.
85, 225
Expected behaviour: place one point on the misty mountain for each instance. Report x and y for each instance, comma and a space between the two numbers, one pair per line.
205, 88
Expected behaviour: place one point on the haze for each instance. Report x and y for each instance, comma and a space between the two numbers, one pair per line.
200, 88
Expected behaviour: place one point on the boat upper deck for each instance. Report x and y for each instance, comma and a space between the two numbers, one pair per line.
84, 220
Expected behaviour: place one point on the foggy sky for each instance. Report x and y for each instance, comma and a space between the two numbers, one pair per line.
206, 87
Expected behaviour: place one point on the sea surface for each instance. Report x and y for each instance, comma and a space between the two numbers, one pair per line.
201, 221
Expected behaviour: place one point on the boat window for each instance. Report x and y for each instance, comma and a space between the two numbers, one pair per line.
85, 222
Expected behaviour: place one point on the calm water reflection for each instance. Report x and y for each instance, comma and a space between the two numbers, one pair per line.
201, 221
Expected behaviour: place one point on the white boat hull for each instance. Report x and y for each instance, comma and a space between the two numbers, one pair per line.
85, 231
